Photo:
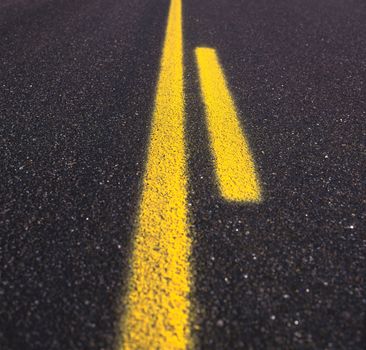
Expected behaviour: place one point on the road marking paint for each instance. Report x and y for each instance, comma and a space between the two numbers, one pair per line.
157, 304
234, 165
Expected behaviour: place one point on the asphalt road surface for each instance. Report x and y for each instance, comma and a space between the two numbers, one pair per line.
101, 141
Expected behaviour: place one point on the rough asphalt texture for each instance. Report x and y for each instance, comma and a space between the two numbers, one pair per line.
76, 96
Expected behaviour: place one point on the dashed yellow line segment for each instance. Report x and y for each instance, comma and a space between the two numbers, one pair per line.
157, 304
234, 165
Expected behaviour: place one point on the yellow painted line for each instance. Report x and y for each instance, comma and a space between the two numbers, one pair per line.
157, 303
234, 165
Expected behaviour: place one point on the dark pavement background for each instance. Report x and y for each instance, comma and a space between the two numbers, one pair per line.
77, 88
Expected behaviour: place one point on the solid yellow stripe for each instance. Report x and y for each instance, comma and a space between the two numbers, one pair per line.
234, 166
157, 305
